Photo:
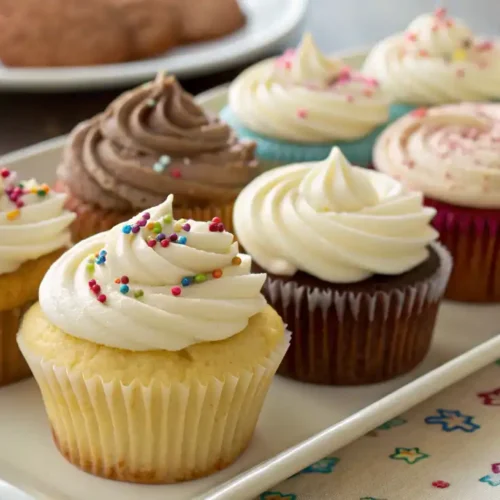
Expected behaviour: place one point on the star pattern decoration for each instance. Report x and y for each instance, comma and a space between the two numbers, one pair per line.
453, 420
324, 466
277, 495
491, 398
390, 424
409, 455
492, 479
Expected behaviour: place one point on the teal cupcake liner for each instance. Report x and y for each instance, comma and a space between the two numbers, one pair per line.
279, 152
397, 110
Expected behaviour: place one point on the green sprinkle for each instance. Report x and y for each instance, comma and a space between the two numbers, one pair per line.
157, 228
200, 278
167, 219
159, 168
138, 294
41, 192
90, 267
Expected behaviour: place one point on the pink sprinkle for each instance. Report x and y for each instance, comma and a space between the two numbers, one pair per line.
440, 13
302, 113
440, 484
101, 298
419, 112
484, 46
460, 73
411, 37
175, 173
151, 243
349, 98
176, 290
495, 468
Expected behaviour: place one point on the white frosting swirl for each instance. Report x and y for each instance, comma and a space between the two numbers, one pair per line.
451, 153
33, 222
332, 220
306, 97
436, 61
149, 316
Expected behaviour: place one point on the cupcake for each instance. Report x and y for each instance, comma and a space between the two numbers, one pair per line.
34, 231
297, 106
353, 268
153, 349
437, 60
151, 141
452, 154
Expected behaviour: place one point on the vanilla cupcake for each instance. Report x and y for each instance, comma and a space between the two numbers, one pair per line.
34, 232
353, 268
437, 60
153, 349
452, 154
297, 106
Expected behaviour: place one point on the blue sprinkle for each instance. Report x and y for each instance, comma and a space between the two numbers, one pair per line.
100, 260
127, 229
158, 168
165, 160
103, 252
124, 289
186, 281
181, 240
160, 237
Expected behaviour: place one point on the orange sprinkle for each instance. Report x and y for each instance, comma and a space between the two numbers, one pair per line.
150, 225
236, 261
117, 280
13, 214
217, 273
45, 187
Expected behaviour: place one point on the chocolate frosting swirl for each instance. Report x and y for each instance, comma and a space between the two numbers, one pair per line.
151, 141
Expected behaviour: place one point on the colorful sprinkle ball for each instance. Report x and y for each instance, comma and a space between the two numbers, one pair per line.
182, 240
176, 291
215, 225
127, 229
175, 173
162, 163
167, 219
165, 243
173, 237
138, 294
186, 281
151, 243
100, 258
124, 289
101, 298
5, 172
217, 273
236, 261
186, 227
200, 278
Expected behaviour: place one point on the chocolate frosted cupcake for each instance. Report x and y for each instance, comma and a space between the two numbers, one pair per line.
151, 141
353, 268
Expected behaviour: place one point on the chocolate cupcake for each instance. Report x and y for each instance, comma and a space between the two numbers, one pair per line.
353, 268
149, 142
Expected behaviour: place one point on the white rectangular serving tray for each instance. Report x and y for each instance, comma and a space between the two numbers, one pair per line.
300, 423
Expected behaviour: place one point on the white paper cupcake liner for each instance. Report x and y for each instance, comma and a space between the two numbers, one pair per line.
358, 338
157, 433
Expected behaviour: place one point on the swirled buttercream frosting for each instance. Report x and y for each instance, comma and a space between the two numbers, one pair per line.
437, 60
33, 222
337, 222
149, 142
307, 97
450, 152
153, 283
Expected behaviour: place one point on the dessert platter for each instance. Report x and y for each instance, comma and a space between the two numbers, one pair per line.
363, 271
244, 30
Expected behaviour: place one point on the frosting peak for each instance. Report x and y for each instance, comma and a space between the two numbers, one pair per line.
33, 222
153, 283
335, 221
153, 140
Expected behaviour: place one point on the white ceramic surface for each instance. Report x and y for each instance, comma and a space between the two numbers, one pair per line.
270, 23
299, 424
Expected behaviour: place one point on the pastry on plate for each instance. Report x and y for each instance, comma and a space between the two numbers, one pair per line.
437, 60
297, 106
353, 268
92, 32
149, 142
452, 154
34, 231
153, 349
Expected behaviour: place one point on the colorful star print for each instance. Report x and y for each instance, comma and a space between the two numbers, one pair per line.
491, 398
276, 495
453, 420
395, 422
324, 466
494, 478
409, 455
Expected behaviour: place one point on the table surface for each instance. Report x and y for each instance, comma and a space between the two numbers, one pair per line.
27, 118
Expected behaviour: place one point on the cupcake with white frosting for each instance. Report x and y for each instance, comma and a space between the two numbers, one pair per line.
34, 231
437, 60
297, 106
452, 154
153, 348
353, 268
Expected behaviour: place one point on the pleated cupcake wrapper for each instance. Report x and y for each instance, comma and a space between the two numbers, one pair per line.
92, 220
347, 338
473, 239
13, 367
157, 433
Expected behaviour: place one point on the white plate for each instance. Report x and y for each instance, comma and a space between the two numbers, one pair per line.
270, 23
302, 422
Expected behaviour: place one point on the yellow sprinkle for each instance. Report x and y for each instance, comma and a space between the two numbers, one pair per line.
13, 214
459, 55
177, 227
34, 190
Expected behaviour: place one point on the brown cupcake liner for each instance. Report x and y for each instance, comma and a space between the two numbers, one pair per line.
13, 367
91, 219
357, 338
473, 238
